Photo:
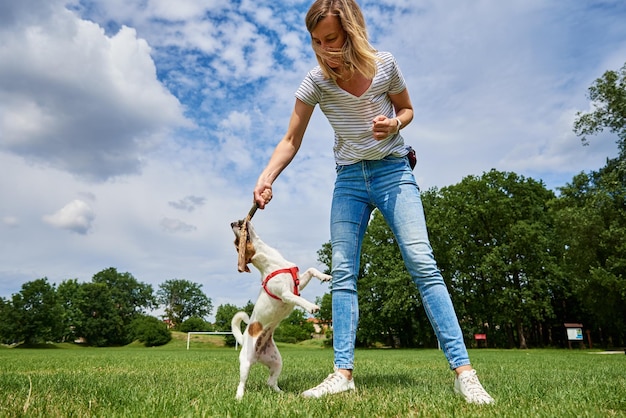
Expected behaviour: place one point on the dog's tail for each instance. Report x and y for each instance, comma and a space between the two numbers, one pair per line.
235, 325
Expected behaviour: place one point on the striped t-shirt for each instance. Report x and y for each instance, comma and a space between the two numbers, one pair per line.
351, 117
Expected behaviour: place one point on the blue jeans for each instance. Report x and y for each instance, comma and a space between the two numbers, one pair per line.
390, 186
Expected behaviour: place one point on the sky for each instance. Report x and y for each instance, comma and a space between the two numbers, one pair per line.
132, 132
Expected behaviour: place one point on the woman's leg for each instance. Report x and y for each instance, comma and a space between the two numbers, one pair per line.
398, 198
350, 214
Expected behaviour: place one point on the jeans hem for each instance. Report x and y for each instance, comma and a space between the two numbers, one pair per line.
344, 366
459, 364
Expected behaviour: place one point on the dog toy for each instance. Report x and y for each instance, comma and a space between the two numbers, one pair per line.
243, 237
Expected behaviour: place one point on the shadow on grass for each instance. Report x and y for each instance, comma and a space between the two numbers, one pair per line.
40, 345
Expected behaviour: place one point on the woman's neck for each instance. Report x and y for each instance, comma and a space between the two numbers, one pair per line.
356, 84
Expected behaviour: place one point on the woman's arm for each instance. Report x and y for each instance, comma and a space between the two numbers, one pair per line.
284, 152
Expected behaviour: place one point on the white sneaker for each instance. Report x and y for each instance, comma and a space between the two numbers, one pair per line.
467, 385
334, 383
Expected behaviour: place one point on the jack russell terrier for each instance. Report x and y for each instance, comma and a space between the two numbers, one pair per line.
280, 293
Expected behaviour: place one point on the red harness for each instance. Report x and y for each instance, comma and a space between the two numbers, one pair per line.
294, 276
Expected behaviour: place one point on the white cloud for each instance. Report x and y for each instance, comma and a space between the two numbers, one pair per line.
10, 221
188, 203
180, 10
75, 99
76, 216
176, 225
237, 121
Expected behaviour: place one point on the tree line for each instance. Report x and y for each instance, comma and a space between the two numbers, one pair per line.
112, 310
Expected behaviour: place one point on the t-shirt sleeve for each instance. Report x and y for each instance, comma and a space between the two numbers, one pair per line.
397, 83
309, 92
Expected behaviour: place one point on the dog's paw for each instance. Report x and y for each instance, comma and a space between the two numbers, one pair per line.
326, 278
276, 388
240, 389
314, 309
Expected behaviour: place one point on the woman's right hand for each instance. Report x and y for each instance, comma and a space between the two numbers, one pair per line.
383, 127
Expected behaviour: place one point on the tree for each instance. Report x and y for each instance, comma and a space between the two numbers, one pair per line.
69, 294
100, 323
325, 314
594, 205
35, 313
6, 313
183, 299
493, 238
109, 304
591, 216
224, 316
129, 296
608, 98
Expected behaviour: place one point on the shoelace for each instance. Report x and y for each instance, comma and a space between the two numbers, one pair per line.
328, 382
473, 386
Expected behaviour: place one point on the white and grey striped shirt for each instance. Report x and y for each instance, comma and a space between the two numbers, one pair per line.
351, 117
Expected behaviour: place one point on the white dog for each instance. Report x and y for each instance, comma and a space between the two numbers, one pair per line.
280, 293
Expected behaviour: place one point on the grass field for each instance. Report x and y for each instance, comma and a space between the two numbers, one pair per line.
169, 381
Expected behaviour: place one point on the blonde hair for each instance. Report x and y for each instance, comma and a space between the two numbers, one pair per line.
356, 54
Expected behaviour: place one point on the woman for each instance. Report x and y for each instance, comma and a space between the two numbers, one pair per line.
364, 96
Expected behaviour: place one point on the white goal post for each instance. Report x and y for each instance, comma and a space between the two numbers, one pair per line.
208, 333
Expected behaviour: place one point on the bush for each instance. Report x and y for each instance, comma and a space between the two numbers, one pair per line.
328, 341
294, 329
150, 331
195, 324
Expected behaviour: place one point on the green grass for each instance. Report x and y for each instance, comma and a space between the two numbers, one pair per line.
170, 381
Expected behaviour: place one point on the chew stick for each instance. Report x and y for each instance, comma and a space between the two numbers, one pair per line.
243, 237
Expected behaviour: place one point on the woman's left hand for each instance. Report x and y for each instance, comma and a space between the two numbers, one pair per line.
383, 127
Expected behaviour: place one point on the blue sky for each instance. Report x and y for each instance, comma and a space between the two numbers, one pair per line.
132, 131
